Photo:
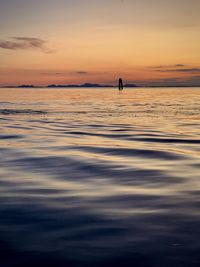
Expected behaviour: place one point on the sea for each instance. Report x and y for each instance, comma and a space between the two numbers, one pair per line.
97, 177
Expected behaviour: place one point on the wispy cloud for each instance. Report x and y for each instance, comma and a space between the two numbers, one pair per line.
194, 80
66, 73
25, 43
181, 68
53, 73
168, 66
82, 72
185, 70
180, 65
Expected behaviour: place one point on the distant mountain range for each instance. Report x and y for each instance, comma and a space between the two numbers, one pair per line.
85, 85
90, 85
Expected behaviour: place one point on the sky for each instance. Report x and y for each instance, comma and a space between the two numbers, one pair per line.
146, 42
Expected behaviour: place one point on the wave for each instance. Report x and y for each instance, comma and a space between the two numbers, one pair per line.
170, 140
83, 188
22, 111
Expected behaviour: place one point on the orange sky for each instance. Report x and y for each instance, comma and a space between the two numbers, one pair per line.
76, 41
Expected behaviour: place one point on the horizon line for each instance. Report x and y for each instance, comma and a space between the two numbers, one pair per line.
91, 85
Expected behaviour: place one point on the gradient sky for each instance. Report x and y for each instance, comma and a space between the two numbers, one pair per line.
75, 41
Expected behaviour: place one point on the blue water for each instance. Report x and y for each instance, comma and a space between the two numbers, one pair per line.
93, 177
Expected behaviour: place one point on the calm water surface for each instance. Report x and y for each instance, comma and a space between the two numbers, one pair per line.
94, 177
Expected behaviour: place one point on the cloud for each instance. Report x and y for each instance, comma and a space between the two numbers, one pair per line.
193, 81
66, 73
89, 72
186, 70
176, 68
53, 73
168, 66
180, 65
175, 81
163, 82
25, 43
82, 72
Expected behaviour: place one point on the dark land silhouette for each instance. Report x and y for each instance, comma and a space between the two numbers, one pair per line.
85, 85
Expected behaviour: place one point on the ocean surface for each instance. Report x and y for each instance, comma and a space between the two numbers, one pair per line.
94, 177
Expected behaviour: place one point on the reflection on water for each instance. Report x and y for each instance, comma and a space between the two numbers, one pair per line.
97, 178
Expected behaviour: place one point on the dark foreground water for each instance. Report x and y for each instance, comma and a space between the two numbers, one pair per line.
98, 178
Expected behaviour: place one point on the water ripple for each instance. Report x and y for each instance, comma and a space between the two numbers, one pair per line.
100, 178
21, 111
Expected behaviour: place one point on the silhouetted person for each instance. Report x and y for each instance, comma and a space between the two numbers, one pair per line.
121, 87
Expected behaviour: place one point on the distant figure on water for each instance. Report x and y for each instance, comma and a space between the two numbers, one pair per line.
121, 86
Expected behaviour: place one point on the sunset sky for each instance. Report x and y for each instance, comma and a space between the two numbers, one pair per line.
147, 42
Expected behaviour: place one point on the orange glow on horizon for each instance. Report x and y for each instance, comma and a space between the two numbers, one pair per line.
92, 43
